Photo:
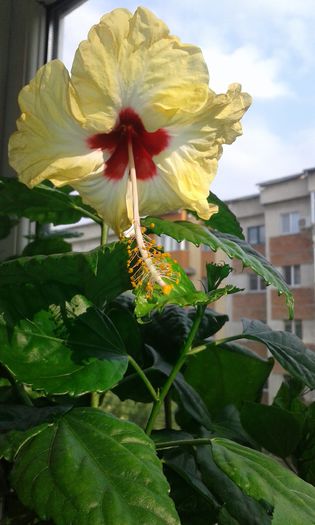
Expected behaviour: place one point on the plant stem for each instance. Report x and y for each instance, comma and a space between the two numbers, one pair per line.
95, 396
104, 233
95, 399
18, 387
178, 365
182, 442
168, 411
144, 378
87, 213
227, 339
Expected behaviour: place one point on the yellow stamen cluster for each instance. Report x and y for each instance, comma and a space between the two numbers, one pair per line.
139, 269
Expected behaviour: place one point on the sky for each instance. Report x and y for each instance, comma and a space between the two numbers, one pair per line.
268, 46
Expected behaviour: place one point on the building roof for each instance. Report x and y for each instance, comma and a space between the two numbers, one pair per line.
279, 180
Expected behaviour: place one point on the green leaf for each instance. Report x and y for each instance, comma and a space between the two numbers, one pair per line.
65, 356
240, 505
89, 467
10, 442
231, 245
36, 282
289, 395
305, 454
276, 429
183, 293
168, 330
47, 246
227, 374
194, 501
224, 221
262, 478
287, 348
21, 417
43, 204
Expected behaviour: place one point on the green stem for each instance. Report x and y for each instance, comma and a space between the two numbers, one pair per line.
168, 412
18, 387
178, 365
87, 213
144, 378
182, 442
95, 399
95, 396
227, 339
104, 233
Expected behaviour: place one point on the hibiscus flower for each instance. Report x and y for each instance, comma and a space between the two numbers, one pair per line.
135, 129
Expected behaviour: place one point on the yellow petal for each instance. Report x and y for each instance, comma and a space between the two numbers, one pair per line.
51, 142
132, 61
108, 197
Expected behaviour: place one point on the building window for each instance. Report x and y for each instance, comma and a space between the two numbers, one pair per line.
256, 283
171, 245
294, 327
292, 274
290, 222
256, 234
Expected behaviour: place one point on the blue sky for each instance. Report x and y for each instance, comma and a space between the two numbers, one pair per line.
266, 45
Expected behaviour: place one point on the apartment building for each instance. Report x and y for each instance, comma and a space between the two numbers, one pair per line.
279, 222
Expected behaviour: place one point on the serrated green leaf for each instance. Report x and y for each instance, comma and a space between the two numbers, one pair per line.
263, 478
90, 467
231, 245
10, 442
276, 429
227, 374
52, 356
43, 204
287, 348
224, 221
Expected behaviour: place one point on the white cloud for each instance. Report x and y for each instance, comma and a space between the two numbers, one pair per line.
257, 74
260, 155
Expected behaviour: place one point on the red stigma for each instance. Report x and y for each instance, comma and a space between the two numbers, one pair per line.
145, 145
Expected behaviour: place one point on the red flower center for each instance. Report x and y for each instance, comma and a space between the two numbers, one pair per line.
144, 145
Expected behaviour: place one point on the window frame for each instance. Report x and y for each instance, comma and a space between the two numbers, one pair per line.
294, 326
293, 228
260, 239
290, 273
261, 286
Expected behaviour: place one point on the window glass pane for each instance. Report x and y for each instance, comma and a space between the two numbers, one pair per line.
287, 274
262, 234
290, 222
298, 328
253, 281
285, 223
295, 219
297, 274
252, 235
